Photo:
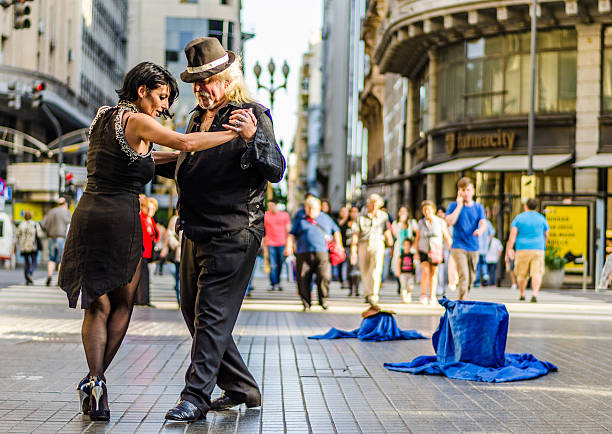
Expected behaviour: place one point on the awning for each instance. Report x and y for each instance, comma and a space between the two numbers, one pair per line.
519, 163
398, 178
597, 160
456, 165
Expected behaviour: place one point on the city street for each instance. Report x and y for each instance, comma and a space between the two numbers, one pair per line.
308, 385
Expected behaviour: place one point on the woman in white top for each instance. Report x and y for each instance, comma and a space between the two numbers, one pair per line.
430, 236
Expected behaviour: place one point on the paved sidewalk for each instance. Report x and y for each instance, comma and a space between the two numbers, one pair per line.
308, 385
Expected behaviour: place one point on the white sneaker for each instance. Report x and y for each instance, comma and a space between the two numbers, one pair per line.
513, 286
433, 300
424, 300
406, 297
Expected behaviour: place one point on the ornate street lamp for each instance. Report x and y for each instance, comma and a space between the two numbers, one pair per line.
271, 69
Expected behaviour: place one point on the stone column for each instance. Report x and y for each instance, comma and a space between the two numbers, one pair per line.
588, 101
433, 117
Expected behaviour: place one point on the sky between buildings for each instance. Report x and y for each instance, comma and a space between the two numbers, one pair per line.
283, 29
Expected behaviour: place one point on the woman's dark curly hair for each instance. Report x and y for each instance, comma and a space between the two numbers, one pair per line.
150, 75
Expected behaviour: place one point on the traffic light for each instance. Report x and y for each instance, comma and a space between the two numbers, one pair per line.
14, 101
69, 182
37, 96
14, 98
21, 13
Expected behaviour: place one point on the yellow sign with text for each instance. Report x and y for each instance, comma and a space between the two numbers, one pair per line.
528, 187
35, 207
569, 232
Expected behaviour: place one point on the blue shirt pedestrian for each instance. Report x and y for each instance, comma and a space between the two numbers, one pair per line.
484, 239
467, 222
532, 227
310, 238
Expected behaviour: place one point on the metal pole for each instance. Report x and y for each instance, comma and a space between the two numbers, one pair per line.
60, 154
531, 121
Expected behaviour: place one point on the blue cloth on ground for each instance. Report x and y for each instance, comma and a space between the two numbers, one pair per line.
379, 327
470, 342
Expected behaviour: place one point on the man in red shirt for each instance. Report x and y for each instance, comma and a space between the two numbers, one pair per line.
277, 224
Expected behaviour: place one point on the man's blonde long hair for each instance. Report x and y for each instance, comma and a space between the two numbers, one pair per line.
236, 90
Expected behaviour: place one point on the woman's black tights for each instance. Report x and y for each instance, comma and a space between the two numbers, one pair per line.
105, 325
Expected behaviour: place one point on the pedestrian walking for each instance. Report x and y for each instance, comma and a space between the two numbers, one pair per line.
371, 236
150, 237
526, 245
484, 241
308, 241
443, 268
406, 270
157, 256
29, 239
492, 258
403, 228
343, 216
172, 251
277, 225
353, 276
55, 224
223, 225
430, 238
468, 221
101, 262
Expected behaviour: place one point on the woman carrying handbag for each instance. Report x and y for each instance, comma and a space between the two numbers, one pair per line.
430, 236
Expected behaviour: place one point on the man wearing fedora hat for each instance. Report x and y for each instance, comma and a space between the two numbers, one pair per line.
221, 211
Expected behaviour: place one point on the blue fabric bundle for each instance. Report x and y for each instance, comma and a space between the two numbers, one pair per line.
379, 327
470, 343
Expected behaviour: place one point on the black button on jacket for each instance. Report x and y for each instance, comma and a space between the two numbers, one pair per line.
223, 189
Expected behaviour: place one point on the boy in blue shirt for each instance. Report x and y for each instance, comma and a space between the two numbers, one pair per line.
469, 221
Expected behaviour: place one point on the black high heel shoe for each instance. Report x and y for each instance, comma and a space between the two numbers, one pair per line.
99, 400
84, 391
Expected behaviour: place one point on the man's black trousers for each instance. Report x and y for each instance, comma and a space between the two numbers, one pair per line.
307, 265
214, 277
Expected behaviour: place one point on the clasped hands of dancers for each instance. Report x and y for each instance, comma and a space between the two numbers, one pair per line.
227, 157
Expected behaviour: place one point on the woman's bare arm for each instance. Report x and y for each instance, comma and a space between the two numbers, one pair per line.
163, 157
144, 127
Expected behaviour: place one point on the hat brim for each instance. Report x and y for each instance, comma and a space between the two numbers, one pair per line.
189, 77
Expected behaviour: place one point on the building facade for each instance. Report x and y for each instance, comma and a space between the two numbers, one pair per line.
303, 159
467, 98
176, 23
73, 56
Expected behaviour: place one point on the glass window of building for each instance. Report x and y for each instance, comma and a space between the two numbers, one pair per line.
423, 96
215, 29
490, 76
607, 71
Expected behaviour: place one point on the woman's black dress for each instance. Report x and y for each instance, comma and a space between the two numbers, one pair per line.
104, 242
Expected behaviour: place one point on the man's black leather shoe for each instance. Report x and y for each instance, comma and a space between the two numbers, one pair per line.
225, 403
185, 411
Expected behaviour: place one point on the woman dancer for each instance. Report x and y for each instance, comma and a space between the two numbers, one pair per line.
104, 243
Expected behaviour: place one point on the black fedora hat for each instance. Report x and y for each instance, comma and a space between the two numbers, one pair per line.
205, 58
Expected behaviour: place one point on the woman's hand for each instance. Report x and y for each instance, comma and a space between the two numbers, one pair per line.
244, 123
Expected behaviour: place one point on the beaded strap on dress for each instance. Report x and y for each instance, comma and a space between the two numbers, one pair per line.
123, 106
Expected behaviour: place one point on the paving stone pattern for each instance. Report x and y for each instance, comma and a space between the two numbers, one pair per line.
307, 385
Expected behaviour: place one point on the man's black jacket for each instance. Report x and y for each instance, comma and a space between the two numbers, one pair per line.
222, 189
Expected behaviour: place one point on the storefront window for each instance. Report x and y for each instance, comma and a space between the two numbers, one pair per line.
491, 76
607, 71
